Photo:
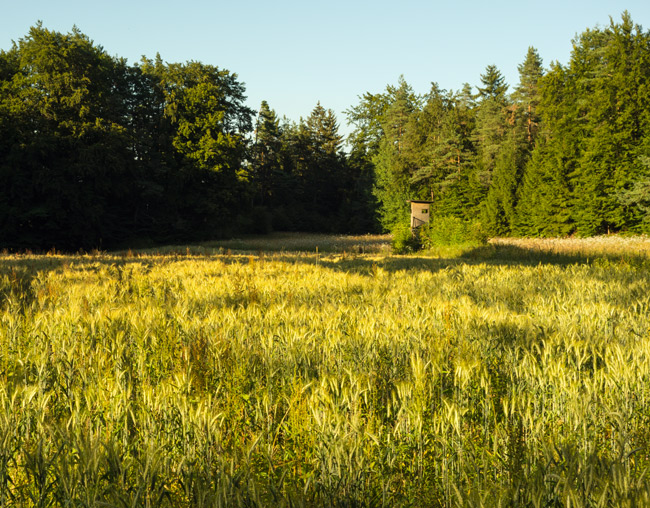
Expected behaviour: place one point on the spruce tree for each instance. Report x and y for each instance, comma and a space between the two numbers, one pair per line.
460, 190
431, 133
611, 68
318, 165
499, 213
266, 155
527, 94
544, 201
392, 167
367, 118
638, 196
442, 146
491, 122
491, 131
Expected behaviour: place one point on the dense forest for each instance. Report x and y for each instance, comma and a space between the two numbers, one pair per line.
565, 153
98, 153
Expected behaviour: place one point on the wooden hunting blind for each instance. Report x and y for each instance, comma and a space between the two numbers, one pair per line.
419, 213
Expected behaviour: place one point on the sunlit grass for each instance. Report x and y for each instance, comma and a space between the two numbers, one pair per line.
596, 246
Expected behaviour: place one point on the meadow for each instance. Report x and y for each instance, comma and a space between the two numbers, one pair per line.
325, 371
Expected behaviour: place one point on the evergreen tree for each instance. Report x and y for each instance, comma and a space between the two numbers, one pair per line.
318, 165
445, 148
499, 213
325, 167
492, 124
431, 144
595, 127
527, 94
491, 121
544, 201
93, 150
494, 85
458, 190
544, 204
266, 155
638, 195
359, 211
611, 69
367, 117
323, 129
392, 167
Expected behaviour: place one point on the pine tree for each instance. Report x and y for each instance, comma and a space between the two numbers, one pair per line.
266, 154
491, 122
442, 144
392, 167
499, 213
527, 94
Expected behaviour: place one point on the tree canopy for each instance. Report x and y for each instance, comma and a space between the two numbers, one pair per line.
98, 153
563, 153
95, 152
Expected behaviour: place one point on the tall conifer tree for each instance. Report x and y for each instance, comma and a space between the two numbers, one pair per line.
514, 150
392, 168
266, 154
611, 68
491, 121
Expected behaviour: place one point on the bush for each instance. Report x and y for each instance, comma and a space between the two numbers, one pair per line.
404, 241
447, 230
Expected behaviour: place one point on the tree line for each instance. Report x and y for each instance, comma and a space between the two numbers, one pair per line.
566, 152
95, 152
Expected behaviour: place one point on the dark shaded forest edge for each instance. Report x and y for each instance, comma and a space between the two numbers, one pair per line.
98, 153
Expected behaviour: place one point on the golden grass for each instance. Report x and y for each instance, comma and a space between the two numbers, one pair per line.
594, 246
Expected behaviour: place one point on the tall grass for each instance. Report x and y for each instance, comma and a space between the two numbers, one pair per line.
313, 379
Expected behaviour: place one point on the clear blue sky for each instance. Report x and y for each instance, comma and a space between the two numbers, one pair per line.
294, 53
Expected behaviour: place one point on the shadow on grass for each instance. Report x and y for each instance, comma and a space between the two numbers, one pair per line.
345, 254
304, 242
518, 255
490, 254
